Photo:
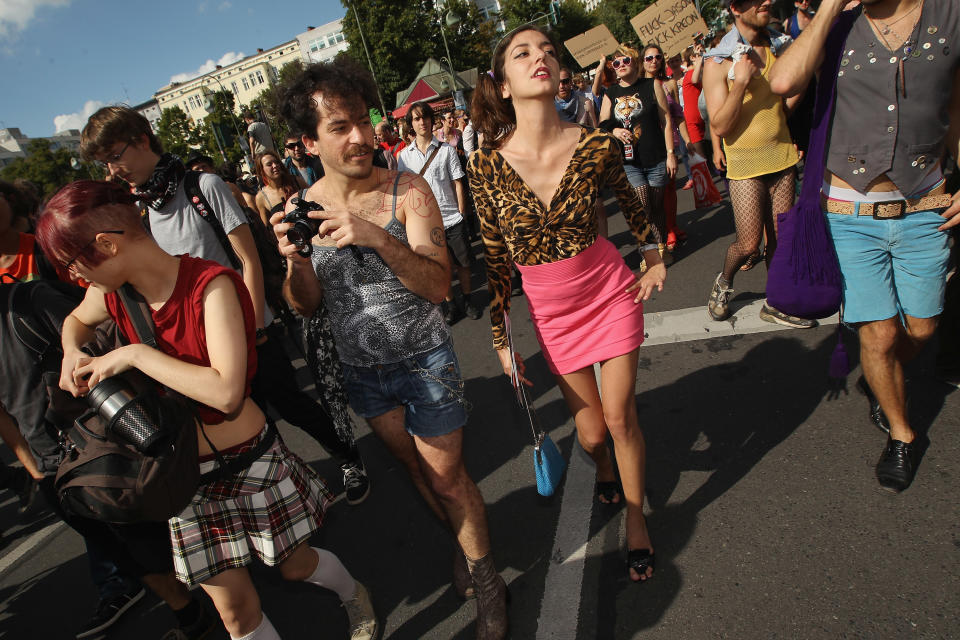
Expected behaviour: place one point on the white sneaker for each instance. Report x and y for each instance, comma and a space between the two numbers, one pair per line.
363, 620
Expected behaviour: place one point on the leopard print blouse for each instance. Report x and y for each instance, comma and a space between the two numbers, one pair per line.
517, 228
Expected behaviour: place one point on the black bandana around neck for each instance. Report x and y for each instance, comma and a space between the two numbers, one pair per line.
162, 185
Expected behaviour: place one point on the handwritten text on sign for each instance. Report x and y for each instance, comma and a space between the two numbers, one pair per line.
672, 24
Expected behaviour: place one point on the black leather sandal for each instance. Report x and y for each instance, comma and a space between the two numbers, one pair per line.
608, 490
640, 560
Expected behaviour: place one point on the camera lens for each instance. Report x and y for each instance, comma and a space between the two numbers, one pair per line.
118, 405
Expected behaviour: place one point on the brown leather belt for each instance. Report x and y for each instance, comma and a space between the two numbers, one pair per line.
889, 208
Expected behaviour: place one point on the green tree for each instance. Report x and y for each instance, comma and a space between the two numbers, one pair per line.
572, 20
401, 36
616, 14
49, 169
177, 133
219, 129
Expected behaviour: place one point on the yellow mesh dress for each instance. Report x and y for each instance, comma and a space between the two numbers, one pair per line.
760, 142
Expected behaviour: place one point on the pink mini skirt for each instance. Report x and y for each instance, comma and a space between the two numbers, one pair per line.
580, 308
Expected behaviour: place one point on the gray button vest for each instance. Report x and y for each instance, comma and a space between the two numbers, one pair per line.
876, 129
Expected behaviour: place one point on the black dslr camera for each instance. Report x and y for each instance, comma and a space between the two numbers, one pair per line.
304, 227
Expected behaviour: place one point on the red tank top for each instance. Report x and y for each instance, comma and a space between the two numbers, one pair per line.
178, 324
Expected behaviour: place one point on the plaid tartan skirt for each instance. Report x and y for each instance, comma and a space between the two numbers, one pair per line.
266, 511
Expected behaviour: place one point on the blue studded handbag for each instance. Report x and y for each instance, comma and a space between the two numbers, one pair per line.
548, 464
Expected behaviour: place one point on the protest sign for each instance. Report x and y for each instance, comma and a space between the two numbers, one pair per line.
587, 48
672, 24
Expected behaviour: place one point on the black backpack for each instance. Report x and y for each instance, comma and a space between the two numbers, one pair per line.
105, 477
31, 314
271, 262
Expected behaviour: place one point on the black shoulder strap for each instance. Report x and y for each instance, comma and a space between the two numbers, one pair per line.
139, 313
191, 187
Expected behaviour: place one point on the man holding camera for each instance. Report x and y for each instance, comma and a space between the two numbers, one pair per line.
121, 138
379, 262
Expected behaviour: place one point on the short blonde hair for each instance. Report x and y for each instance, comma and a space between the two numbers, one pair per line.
627, 50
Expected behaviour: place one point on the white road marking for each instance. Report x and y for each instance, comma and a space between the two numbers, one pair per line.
694, 323
25, 547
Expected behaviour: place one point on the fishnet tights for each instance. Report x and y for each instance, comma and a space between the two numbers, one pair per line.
756, 203
652, 200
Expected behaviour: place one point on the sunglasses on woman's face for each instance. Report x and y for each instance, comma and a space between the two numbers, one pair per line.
622, 62
656, 57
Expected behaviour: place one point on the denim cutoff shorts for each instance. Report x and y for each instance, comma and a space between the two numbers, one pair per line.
891, 266
428, 386
655, 176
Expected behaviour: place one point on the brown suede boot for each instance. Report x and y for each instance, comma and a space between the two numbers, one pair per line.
462, 582
492, 620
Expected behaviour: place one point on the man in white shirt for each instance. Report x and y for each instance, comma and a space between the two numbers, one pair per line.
440, 166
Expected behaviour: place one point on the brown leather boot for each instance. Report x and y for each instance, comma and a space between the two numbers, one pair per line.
462, 582
492, 620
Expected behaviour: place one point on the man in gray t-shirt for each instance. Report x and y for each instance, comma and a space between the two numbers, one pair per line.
258, 135
122, 139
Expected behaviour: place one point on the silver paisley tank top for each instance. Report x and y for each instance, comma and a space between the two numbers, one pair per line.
375, 319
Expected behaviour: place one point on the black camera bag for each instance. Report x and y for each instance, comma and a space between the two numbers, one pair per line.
104, 477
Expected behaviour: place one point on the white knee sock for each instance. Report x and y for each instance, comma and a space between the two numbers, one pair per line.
263, 632
331, 574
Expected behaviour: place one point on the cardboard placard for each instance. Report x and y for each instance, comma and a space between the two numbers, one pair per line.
670, 24
587, 48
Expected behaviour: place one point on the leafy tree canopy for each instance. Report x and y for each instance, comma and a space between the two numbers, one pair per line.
49, 169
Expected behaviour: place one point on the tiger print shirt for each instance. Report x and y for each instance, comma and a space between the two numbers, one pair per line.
516, 227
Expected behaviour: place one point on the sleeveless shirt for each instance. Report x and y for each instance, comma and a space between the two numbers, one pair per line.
375, 319
881, 126
760, 142
634, 107
178, 324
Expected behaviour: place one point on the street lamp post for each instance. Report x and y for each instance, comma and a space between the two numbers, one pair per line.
453, 20
367, 52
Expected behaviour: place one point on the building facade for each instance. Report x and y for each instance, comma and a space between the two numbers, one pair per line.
13, 144
151, 111
246, 79
322, 44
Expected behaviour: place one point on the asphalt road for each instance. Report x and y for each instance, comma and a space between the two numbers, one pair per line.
766, 517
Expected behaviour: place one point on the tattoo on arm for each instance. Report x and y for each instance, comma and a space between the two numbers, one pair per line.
437, 236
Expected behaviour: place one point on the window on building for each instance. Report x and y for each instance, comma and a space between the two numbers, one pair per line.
331, 41
318, 44
339, 37
259, 77
233, 85
246, 85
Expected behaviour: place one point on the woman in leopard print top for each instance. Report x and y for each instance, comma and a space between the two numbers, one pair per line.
536, 185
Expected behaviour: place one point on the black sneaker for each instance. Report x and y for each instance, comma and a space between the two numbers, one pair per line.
896, 466
473, 311
447, 309
769, 314
108, 612
877, 417
356, 484
199, 630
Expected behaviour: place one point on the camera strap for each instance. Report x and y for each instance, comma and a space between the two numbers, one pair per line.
426, 164
139, 313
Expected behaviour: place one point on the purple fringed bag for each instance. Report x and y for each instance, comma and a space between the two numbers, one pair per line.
804, 278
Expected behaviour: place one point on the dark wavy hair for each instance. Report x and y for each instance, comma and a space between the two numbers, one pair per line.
493, 116
341, 82
78, 212
662, 70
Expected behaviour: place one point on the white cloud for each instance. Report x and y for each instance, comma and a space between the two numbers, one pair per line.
79, 119
228, 58
224, 5
15, 15
202, 7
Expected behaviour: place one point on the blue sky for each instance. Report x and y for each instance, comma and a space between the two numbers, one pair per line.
60, 60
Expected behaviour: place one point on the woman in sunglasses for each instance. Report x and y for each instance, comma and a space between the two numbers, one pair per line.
536, 182
635, 111
278, 184
655, 66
